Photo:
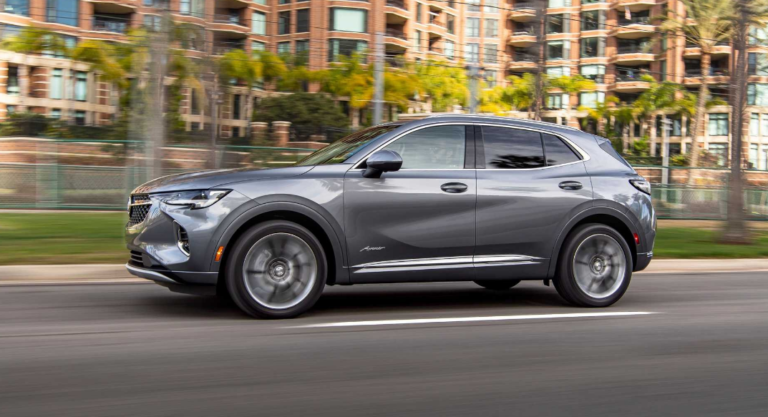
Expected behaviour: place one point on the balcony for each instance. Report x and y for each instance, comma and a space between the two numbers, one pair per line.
436, 28
633, 55
523, 38
719, 50
635, 5
631, 82
523, 12
523, 62
397, 38
716, 76
230, 22
99, 24
597, 78
396, 11
435, 51
637, 27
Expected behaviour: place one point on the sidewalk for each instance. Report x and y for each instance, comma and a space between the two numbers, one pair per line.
116, 273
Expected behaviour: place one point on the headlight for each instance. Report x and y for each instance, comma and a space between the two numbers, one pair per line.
642, 185
192, 199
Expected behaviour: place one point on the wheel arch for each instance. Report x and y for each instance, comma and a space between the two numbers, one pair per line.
600, 215
299, 214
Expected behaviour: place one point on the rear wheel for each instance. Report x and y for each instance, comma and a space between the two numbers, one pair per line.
498, 285
277, 269
594, 267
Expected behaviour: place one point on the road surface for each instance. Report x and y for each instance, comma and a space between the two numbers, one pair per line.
140, 350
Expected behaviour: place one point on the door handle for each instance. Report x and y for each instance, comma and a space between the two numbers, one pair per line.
454, 187
570, 185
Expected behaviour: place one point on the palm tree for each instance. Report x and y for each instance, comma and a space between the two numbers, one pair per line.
705, 24
238, 65
657, 98
601, 114
624, 116
572, 85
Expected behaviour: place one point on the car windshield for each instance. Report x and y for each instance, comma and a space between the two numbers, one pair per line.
343, 149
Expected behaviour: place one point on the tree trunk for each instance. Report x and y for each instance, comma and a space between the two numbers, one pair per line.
701, 108
735, 227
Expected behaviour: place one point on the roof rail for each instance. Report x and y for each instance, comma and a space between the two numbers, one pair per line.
536, 122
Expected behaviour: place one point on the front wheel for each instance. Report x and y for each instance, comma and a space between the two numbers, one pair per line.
277, 269
594, 268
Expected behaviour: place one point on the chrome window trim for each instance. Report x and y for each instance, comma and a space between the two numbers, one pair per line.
584, 155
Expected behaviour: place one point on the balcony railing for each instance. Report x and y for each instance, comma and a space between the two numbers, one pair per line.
598, 78
400, 4
103, 25
396, 33
232, 19
713, 72
633, 76
524, 5
638, 20
524, 57
524, 32
634, 49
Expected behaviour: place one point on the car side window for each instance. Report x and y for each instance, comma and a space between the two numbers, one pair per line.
508, 148
438, 147
557, 152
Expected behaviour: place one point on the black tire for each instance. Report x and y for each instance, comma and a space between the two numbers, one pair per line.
247, 296
604, 263
498, 285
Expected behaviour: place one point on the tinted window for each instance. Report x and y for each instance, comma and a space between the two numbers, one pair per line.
512, 148
440, 147
557, 152
343, 149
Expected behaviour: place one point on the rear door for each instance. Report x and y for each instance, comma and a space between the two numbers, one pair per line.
529, 184
417, 223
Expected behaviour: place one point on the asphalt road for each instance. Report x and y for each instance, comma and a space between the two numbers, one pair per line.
140, 350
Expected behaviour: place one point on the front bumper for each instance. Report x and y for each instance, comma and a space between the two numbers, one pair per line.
165, 279
154, 242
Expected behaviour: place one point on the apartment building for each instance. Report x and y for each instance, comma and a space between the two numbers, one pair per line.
613, 42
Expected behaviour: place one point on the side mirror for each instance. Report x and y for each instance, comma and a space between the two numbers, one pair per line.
382, 161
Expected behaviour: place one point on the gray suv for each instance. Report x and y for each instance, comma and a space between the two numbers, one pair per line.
447, 198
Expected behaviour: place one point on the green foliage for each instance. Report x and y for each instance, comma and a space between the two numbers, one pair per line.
445, 85
302, 110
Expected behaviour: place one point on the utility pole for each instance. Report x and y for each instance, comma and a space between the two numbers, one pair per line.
378, 70
214, 108
155, 137
541, 20
666, 127
473, 72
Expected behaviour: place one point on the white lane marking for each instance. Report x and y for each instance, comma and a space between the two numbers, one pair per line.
472, 319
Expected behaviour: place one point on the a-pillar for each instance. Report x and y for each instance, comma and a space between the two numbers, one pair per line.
281, 133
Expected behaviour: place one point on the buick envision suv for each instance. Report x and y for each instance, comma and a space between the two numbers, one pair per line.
447, 198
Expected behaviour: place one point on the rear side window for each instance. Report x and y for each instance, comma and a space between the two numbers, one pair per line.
557, 152
606, 145
507, 148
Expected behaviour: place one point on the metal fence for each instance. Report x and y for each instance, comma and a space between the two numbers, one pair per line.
705, 203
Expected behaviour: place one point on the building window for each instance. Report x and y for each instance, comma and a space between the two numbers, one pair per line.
555, 72
558, 23
473, 27
259, 23
349, 20
449, 49
491, 53
57, 84
258, 46
757, 64
236, 105
194, 107
753, 152
663, 71
559, 3
758, 36
556, 101
19, 7
192, 7
80, 118
592, 47
557, 50
345, 47
718, 124
65, 12
302, 52
595, 73
284, 23
472, 54
10, 109
754, 124
283, 48
757, 94
419, 12
417, 40
13, 81
490, 78
152, 22
450, 24
491, 6
302, 20
284, 2
764, 125
81, 86
593, 20
491, 28
473, 5
591, 99
720, 152
55, 114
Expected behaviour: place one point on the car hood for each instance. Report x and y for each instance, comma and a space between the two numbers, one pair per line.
204, 180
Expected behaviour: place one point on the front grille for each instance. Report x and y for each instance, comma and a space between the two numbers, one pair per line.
139, 209
137, 259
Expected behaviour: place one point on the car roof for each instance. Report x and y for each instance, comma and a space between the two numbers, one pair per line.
478, 118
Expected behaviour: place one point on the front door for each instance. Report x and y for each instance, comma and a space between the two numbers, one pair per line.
417, 223
529, 185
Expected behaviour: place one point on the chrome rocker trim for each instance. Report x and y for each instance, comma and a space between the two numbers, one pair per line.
445, 263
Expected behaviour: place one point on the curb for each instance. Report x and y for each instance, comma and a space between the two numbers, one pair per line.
116, 273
